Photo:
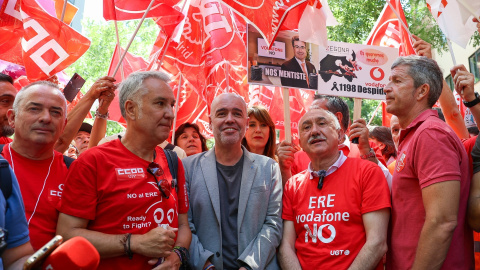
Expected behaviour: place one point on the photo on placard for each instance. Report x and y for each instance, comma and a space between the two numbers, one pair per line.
289, 62
355, 70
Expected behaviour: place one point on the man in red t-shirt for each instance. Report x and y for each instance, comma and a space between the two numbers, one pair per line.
431, 182
293, 161
7, 96
335, 213
38, 117
121, 195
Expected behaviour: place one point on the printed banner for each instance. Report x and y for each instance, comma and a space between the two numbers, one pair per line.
355, 70
342, 69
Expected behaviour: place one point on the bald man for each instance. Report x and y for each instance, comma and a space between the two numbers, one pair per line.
235, 197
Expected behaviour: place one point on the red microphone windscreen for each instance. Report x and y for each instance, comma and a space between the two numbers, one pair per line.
76, 253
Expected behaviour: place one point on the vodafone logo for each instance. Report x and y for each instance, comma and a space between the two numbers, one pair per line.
130, 173
377, 74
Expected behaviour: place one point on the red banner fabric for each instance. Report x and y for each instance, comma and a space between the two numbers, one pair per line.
48, 46
267, 15
389, 31
120, 10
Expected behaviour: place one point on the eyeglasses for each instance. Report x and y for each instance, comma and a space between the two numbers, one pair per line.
163, 185
299, 47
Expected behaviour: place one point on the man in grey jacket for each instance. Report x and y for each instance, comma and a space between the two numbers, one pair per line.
235, 197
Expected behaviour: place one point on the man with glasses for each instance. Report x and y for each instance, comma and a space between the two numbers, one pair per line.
121, 195
336, 212
235, 197
298, 68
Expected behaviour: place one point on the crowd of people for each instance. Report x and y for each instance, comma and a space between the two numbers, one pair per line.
401, 197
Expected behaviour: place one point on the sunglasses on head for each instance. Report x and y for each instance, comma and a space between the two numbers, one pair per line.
163, 185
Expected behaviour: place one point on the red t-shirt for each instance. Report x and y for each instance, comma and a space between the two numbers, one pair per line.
31, 176
328, 222
110, 186
429, 152
301, 159
5, 140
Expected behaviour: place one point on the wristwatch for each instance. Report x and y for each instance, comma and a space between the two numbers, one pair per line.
473, 102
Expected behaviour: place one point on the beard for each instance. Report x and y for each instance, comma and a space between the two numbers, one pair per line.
6, 130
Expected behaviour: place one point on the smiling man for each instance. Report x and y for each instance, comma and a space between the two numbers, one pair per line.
298, 68
38, 118
235, 197
431, 181
131, 208
336, 212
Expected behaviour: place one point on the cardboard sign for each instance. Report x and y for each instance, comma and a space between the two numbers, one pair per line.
342, 69
355, 70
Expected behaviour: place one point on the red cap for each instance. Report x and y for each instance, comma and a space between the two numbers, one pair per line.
76, 253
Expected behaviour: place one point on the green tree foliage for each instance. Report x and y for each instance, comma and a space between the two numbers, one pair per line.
95, 62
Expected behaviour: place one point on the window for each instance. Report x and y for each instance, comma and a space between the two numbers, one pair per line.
474, 62
449, 81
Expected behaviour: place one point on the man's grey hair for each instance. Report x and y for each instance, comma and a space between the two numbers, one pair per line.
24, 91
423, 71
132, 87
336, 123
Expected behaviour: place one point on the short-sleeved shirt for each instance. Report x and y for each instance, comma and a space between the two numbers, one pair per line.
12, 217
328, 222
110, 186
40, 206
429, 153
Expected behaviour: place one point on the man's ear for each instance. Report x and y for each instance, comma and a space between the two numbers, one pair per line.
422, 92
11, 117
339, 116
131, 109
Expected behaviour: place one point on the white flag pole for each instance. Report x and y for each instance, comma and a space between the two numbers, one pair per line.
133, 36
286, 114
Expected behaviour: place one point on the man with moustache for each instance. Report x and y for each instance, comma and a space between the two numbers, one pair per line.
235, 197
336, 212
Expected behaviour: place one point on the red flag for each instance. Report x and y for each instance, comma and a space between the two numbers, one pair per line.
267, 15
272, 99
11, 32
130, 63
48, 45
389, 31
120, 10
385, 116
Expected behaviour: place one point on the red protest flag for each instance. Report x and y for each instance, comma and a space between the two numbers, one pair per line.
47, 45
11, 32
130, 63
120, 10
267, 16
390, 32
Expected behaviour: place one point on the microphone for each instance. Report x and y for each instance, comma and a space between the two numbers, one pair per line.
76, 253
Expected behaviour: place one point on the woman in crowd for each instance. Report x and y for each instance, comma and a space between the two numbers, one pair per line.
260, 135
188, 137
382, 137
